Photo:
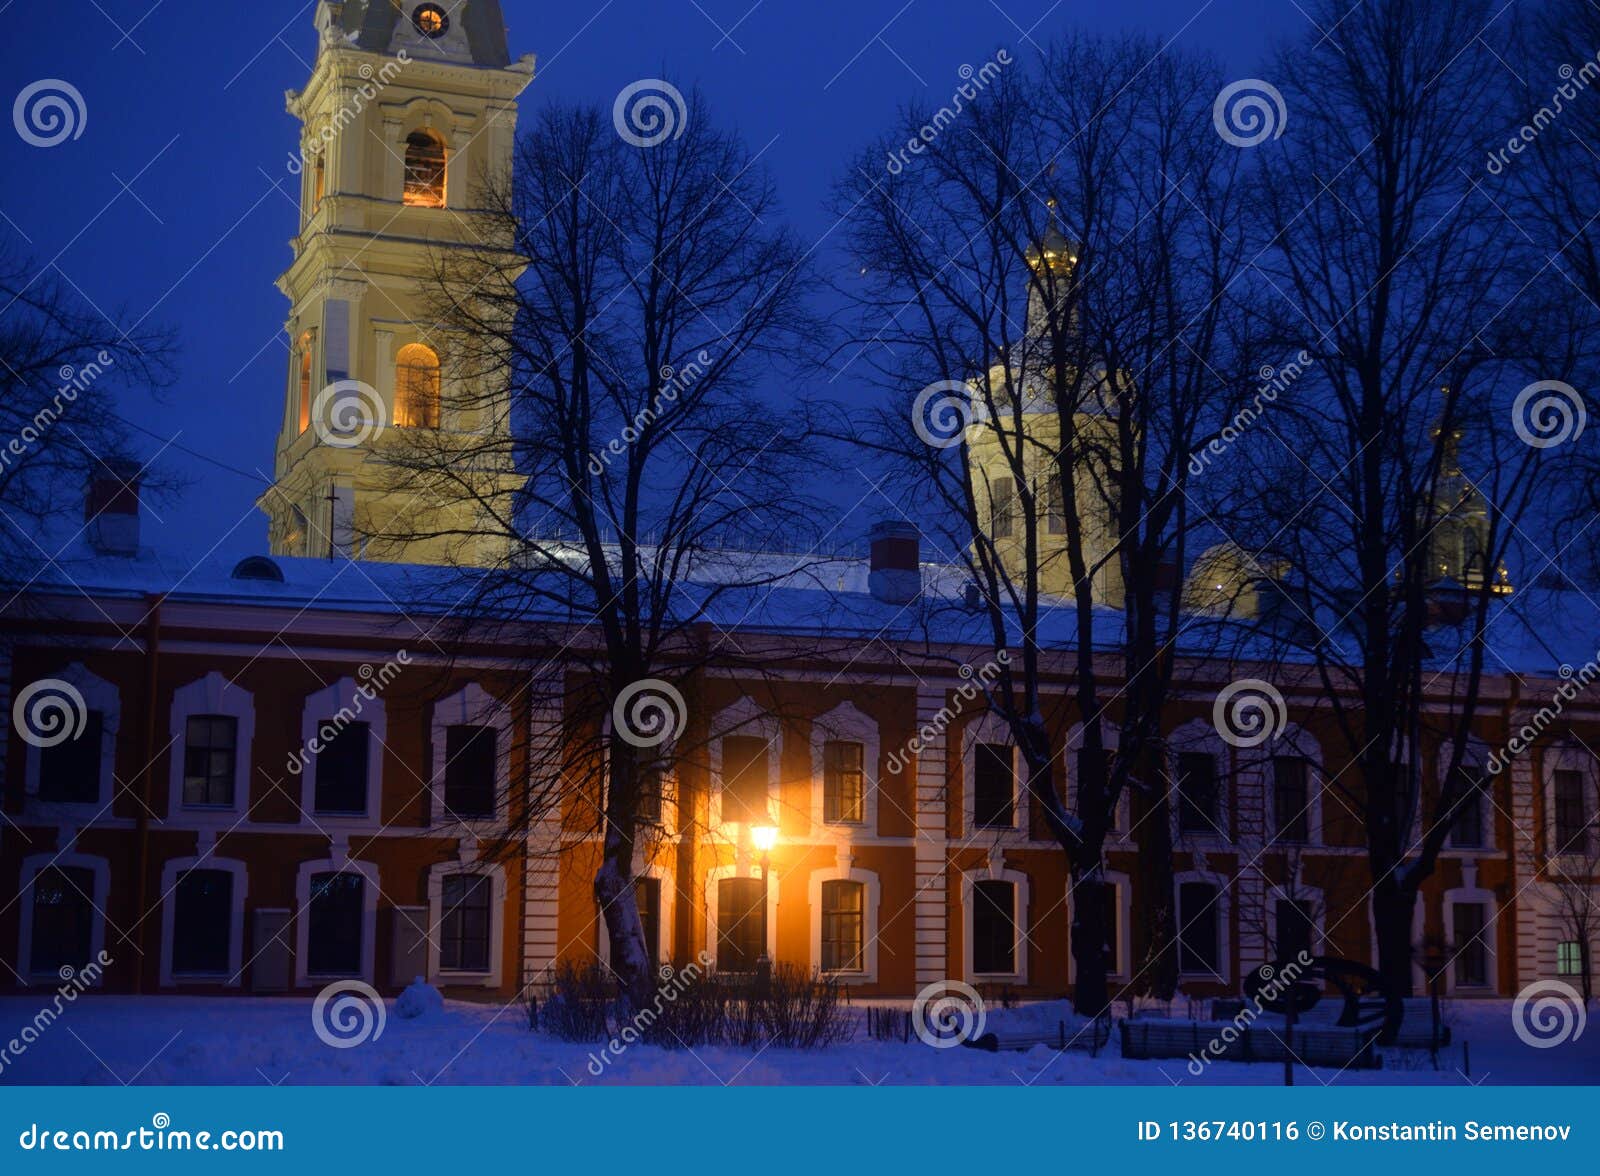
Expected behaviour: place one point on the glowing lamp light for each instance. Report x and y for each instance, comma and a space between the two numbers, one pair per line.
764, 837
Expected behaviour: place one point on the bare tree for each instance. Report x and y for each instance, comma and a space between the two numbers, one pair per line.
617, 378
1049, 264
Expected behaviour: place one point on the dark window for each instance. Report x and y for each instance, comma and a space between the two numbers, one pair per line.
1571, 813
647, 895
741, 924
1199, 929
993, 787
744, 779
652, 787
1295, 929
1055, 507
1197, 792
843, 782
1466, 820
994, 928
469, 771
210, 745
70, 772
337, 915
1002, 507
1291, 799
342, 771
202, 923
1569, 958
464, 923
843, 926
63, 918
1094, 768
1472, 953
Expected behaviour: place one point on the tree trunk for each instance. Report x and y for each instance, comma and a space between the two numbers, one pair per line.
1155, 922
614, 883
1091, 995
1392, 911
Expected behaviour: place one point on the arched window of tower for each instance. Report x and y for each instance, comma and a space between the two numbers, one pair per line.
425, 170
416, 387
304, 382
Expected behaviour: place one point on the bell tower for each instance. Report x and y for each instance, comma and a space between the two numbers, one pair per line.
408, 103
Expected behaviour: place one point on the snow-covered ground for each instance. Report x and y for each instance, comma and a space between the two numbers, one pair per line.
179, 1040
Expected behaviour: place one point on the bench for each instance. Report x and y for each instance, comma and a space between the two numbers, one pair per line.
1312, 1045
1090, 1036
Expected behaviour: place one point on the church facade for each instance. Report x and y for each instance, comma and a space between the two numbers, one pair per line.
273, 777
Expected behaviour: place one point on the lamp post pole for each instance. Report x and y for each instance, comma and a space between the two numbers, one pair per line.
764, 962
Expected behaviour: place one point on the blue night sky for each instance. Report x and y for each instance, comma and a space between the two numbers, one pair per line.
176, 206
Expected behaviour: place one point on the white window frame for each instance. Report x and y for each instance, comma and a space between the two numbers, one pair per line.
714, 940
31, 867
473, 706
991, 728
211, 694
1123, 888
1473, 896
317, 709
744, 718
1224, 909
302, 930
98, 695
1297, 741
1475, 757
497, 920
845, 723
664, 753
171, 870
1567, 757
871, 895
1110, 739
667, 880
1199, 735
1019, 882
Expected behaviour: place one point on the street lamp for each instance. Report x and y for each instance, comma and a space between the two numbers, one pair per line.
764, 837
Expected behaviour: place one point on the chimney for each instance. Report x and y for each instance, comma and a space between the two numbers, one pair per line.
896, 562
111, 508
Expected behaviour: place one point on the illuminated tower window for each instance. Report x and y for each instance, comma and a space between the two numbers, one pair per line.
304, 381
425, 170
416, 387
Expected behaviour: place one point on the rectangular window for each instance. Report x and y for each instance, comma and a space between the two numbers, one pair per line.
994, 928
335, 919
1466, 822
647, 896
744, 779
342, 771
1471, 952
1291, 799
843, 926
470, 760
1094, 770
1197, 793
1055, 506
69, 772
464, 923
202, 923
993, 787
1569, 958
63, 919
1199, 929
1002, 507
741, 924
1571, 817
1296, 928
210, 745
843, 782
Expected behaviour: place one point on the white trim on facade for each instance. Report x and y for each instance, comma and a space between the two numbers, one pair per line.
302, 916
744, 717
991, 728
1019, 894
318, 714
845, 723
98, 695
496, 874
1224, 908
473, 706
1110, 738
871, 898
211, 694
171, 870
31, 867
1199, 735
739, 870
